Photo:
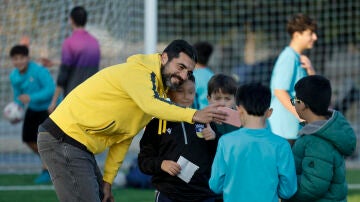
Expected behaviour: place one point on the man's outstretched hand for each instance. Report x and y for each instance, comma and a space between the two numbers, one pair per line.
209, 114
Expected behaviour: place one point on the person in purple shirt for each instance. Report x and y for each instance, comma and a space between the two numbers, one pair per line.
80, 56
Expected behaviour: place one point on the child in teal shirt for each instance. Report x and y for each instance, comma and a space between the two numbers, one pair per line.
252, 163
33, 88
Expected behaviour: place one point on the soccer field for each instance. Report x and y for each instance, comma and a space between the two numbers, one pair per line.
17, 188
121, 195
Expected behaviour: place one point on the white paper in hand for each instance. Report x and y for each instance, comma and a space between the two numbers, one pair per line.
187, 169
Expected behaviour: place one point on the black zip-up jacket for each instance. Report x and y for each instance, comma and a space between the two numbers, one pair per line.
177, 139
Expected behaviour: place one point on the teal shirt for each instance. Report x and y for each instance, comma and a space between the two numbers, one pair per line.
253, 165
36, 82
287, 71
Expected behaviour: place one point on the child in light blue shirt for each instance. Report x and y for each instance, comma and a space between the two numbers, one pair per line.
290, 67
286, 72
252, 163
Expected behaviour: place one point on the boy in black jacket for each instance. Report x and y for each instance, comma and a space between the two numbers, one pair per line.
163, 143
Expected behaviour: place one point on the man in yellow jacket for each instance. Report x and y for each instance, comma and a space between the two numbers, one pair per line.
106, 112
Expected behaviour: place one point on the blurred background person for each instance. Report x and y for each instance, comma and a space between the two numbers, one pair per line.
33, 88
290, 67
202, 73
80, 56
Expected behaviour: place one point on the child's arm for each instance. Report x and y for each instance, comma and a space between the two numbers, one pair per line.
213, 143
282, 80
47, 86
287, 173
284, 97
148, 158
216, 182
316, 172
16, 90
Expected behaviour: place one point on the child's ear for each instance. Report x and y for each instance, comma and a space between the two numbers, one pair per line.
242, 114
240, 109
302, 106
268, 112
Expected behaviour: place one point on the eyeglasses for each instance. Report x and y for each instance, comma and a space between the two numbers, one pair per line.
294, 100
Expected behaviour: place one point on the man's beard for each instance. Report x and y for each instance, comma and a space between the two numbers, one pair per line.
166, 79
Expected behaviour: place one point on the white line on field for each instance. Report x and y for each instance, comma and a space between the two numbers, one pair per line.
51, 187
26, 188
354, 186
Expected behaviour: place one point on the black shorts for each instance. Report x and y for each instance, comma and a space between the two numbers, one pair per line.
31, 124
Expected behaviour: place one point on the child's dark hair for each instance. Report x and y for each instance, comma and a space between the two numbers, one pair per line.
299, 23
177, 46
254, 97
191, 77
79, 15
19, 50
204, 50
225, 83
315, 92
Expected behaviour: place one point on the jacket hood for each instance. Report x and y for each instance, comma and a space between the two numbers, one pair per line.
336, 130
150, 62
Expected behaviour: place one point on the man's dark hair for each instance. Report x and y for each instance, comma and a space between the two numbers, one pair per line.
225, 83
299, 23
204, 50
79, 15
254, 97
315, 92
177, 46
19, 50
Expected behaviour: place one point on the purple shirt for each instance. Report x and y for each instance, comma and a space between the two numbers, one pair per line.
80, 59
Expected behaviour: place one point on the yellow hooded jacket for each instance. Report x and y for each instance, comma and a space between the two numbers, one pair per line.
111, 107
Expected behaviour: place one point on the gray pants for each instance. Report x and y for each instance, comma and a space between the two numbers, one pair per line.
74, 172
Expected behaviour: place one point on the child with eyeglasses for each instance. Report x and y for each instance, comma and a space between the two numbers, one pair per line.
322, 144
